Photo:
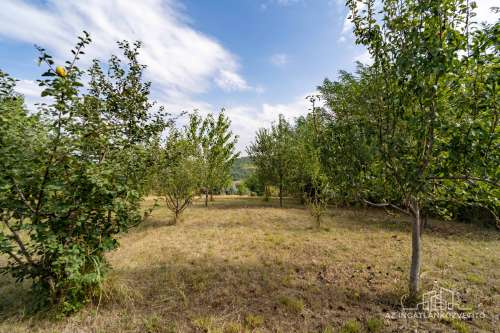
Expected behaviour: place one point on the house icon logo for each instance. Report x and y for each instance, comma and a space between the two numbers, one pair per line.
438, 303
437, 300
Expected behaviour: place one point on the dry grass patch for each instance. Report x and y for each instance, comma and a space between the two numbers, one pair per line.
243, 265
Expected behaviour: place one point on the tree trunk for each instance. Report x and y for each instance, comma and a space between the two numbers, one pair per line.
281, 193
423, 223
415, 253
211, 196
318, 221
206, 197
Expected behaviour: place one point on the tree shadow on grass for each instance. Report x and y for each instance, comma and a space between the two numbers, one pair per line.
153, 222
14, 297
288, 296
373, 219
211, 293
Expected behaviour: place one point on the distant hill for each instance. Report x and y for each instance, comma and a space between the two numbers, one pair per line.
242, 168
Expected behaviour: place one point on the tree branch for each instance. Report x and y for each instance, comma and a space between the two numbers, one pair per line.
23, 198
16, 258
20, 243
387, 205
491, 182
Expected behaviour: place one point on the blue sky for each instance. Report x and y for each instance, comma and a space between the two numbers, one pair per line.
256, 58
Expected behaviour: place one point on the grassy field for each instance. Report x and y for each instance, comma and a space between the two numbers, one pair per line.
243, 265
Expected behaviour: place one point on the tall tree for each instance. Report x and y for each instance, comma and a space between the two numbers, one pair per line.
434, 127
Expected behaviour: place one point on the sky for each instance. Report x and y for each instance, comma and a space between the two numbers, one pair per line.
255, 58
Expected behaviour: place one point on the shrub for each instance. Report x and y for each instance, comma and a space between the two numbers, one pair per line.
72, 174
242, 189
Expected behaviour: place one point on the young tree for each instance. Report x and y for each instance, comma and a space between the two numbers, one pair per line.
434, 124
306, 171
260, 152
222, 152
281, 133
218, 148
318, 196
69, 181
179, 173
271, 155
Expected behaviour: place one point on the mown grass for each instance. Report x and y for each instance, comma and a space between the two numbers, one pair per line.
243, 265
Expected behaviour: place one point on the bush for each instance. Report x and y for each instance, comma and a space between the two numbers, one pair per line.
242, 189
72, 175
253, 183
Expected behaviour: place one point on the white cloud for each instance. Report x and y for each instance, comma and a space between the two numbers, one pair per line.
483, 12
364, 58
28, 88
181, 61
230, 81
279, 59
246, 120
296, 108
31, 92
347, 26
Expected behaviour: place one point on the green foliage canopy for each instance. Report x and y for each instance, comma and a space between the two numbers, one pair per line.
71, 174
